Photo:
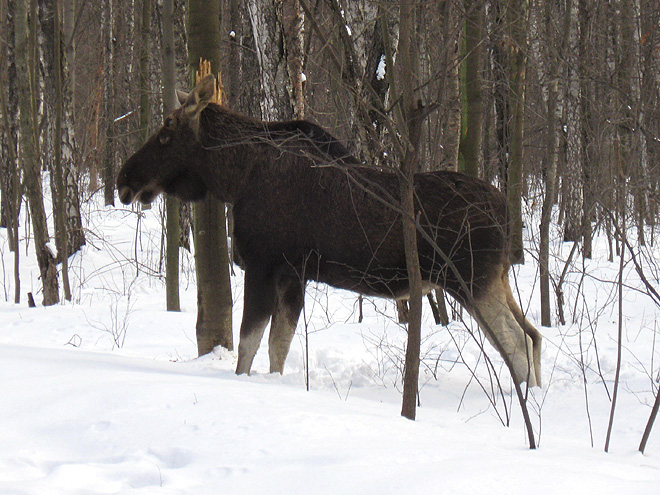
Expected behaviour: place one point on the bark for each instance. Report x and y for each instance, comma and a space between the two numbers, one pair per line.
71, 165
551, 68
58, 131
364, 42
409, 123
517, 21
26, 49
588, 126
619, 341
638, 75
497, 63
548, 203
470, 147
58, 199
143, 79
75, 238
10, 171
265, 18
649, 423
171, 204
292, 20
452, 130
649, 39
107, 34
571, 194
214, 302
353, 71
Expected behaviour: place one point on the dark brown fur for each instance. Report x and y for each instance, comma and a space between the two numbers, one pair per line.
304, 209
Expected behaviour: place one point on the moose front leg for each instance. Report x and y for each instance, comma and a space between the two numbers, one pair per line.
258, 304
289, 297
512, 339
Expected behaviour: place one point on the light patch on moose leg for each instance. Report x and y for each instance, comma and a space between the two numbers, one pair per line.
528, 328
495, 311
258, 302
289, 300
251, 333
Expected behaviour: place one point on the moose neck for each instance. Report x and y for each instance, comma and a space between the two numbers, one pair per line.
229, 151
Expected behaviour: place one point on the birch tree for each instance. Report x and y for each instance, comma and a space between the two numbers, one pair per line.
25, 32
265, 19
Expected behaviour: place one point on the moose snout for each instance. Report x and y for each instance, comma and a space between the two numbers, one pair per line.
125, 194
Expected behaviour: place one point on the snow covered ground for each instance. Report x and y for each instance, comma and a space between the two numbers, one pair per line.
105, 395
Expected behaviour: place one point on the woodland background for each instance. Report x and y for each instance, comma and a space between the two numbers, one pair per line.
556, 102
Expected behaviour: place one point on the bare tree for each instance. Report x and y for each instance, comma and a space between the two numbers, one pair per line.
59, 204
516, 19
265, 19
144, 72
214, 303
26, 49
470, 147
550, 65
171, 204
409, 113
10, 170
107, 33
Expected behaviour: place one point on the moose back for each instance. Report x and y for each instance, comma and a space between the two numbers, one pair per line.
304, 209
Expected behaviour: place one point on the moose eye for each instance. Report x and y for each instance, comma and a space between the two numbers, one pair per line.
169, 123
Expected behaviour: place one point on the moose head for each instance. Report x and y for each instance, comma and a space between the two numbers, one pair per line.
162, 164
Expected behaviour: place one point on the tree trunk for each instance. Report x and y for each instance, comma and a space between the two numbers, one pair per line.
107, 34
70, 169
551, 67
143, 79
470, 147
9, 168
265, 18
571, 179
58, 199
452, 130
171, 204
292, 20
214, 302
26, 49
588, 126
548, 203
409, 124
362, 54
517, 21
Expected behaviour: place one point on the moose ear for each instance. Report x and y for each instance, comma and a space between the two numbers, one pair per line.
200, 96
182, 96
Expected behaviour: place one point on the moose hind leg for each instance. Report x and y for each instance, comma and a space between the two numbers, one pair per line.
258, 303
289, 297
493, 308
528, 328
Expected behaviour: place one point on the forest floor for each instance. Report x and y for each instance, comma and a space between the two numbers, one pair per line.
105, 394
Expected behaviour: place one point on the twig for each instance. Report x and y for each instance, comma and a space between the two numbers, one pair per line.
618, 348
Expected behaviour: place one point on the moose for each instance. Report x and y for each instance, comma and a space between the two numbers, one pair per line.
306, 210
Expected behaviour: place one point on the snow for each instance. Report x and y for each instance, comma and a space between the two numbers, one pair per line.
52, 248
380, 70
122, 117
105, 395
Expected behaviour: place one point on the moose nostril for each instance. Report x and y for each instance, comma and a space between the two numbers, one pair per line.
125, 195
